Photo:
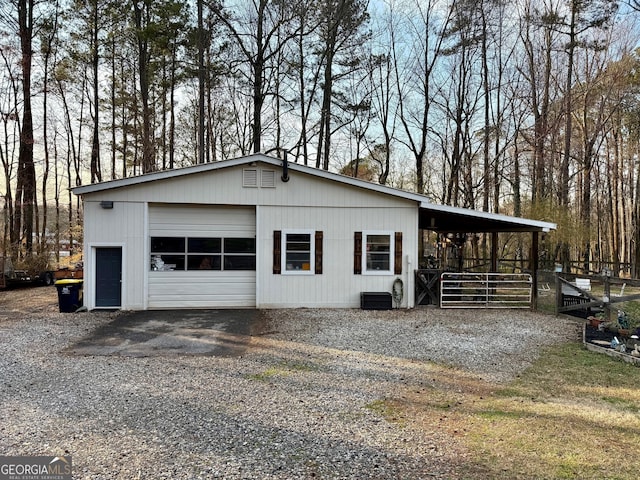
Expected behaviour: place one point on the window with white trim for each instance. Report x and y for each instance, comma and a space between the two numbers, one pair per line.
298, 252
379, 253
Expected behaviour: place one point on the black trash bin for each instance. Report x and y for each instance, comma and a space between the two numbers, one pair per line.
69, 294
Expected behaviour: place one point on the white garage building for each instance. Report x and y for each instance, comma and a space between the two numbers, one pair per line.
257, 232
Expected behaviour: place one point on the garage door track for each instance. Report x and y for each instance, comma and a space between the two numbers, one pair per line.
173, 332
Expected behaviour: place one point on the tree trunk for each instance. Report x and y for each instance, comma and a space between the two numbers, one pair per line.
113, 107
566, 157
327, 93
47, 51
201, 84
96, 170
25, 195
148, 154
172, 109
636, 222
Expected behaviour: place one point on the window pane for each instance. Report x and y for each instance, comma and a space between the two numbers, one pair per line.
239, 245
298, 237
164, 263
378, 243
239, 262
167, 244
298, 261
298, 247
298, 242
205, 245
378, 261
378, 252
297, 257
298, 252
203, 262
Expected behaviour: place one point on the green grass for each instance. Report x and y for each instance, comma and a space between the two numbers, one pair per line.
282, 369
388, 410
574, 414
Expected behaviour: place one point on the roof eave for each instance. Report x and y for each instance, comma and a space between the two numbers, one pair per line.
493, 222
167, 174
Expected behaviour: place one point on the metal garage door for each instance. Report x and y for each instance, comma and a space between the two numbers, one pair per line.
202, 257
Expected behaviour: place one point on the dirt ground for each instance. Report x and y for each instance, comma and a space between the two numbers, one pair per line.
28, 300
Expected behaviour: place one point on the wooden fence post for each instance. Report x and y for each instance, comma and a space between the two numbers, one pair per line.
558, 293
607, 297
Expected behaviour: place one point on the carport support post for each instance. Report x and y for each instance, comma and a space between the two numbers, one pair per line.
534, 270
494, 252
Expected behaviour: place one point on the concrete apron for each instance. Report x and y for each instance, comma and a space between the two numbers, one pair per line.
173, 332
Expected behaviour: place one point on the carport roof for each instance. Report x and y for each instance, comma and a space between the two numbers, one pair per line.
441, 218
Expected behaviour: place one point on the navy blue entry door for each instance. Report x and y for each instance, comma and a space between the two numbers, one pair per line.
108, 277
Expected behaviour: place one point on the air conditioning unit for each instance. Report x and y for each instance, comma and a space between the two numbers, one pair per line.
375, 301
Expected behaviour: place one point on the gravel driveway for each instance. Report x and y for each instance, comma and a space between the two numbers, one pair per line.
304, 401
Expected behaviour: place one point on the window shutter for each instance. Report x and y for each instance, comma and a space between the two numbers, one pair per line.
319, 236
357, 253
277, 247
397, 260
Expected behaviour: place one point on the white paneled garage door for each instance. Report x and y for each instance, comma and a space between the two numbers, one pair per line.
202, 257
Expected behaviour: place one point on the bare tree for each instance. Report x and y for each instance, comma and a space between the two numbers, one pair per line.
25, 197
415, 65
305, 72
538, 43
260, 39
340, 36
48, 41
462, 100
9, 101
383, 98
142, 17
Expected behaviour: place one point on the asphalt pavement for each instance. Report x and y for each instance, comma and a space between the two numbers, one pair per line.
173, 332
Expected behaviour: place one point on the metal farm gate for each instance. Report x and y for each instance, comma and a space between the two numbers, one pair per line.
486, 290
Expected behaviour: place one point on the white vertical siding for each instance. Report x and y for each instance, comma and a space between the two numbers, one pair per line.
337, 286
123, 226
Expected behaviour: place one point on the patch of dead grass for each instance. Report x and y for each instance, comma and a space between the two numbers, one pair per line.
573, 414
28, 300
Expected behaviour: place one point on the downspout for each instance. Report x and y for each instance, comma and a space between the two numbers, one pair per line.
285, 169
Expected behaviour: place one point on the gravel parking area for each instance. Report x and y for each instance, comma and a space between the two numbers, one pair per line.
304, 401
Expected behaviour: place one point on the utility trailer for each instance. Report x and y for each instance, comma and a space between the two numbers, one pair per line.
13, 277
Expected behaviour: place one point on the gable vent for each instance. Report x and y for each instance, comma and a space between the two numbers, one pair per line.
268, 178
250, 177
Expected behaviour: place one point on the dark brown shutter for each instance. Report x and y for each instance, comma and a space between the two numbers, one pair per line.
397, 261
319, 253
357, 253
277, 255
